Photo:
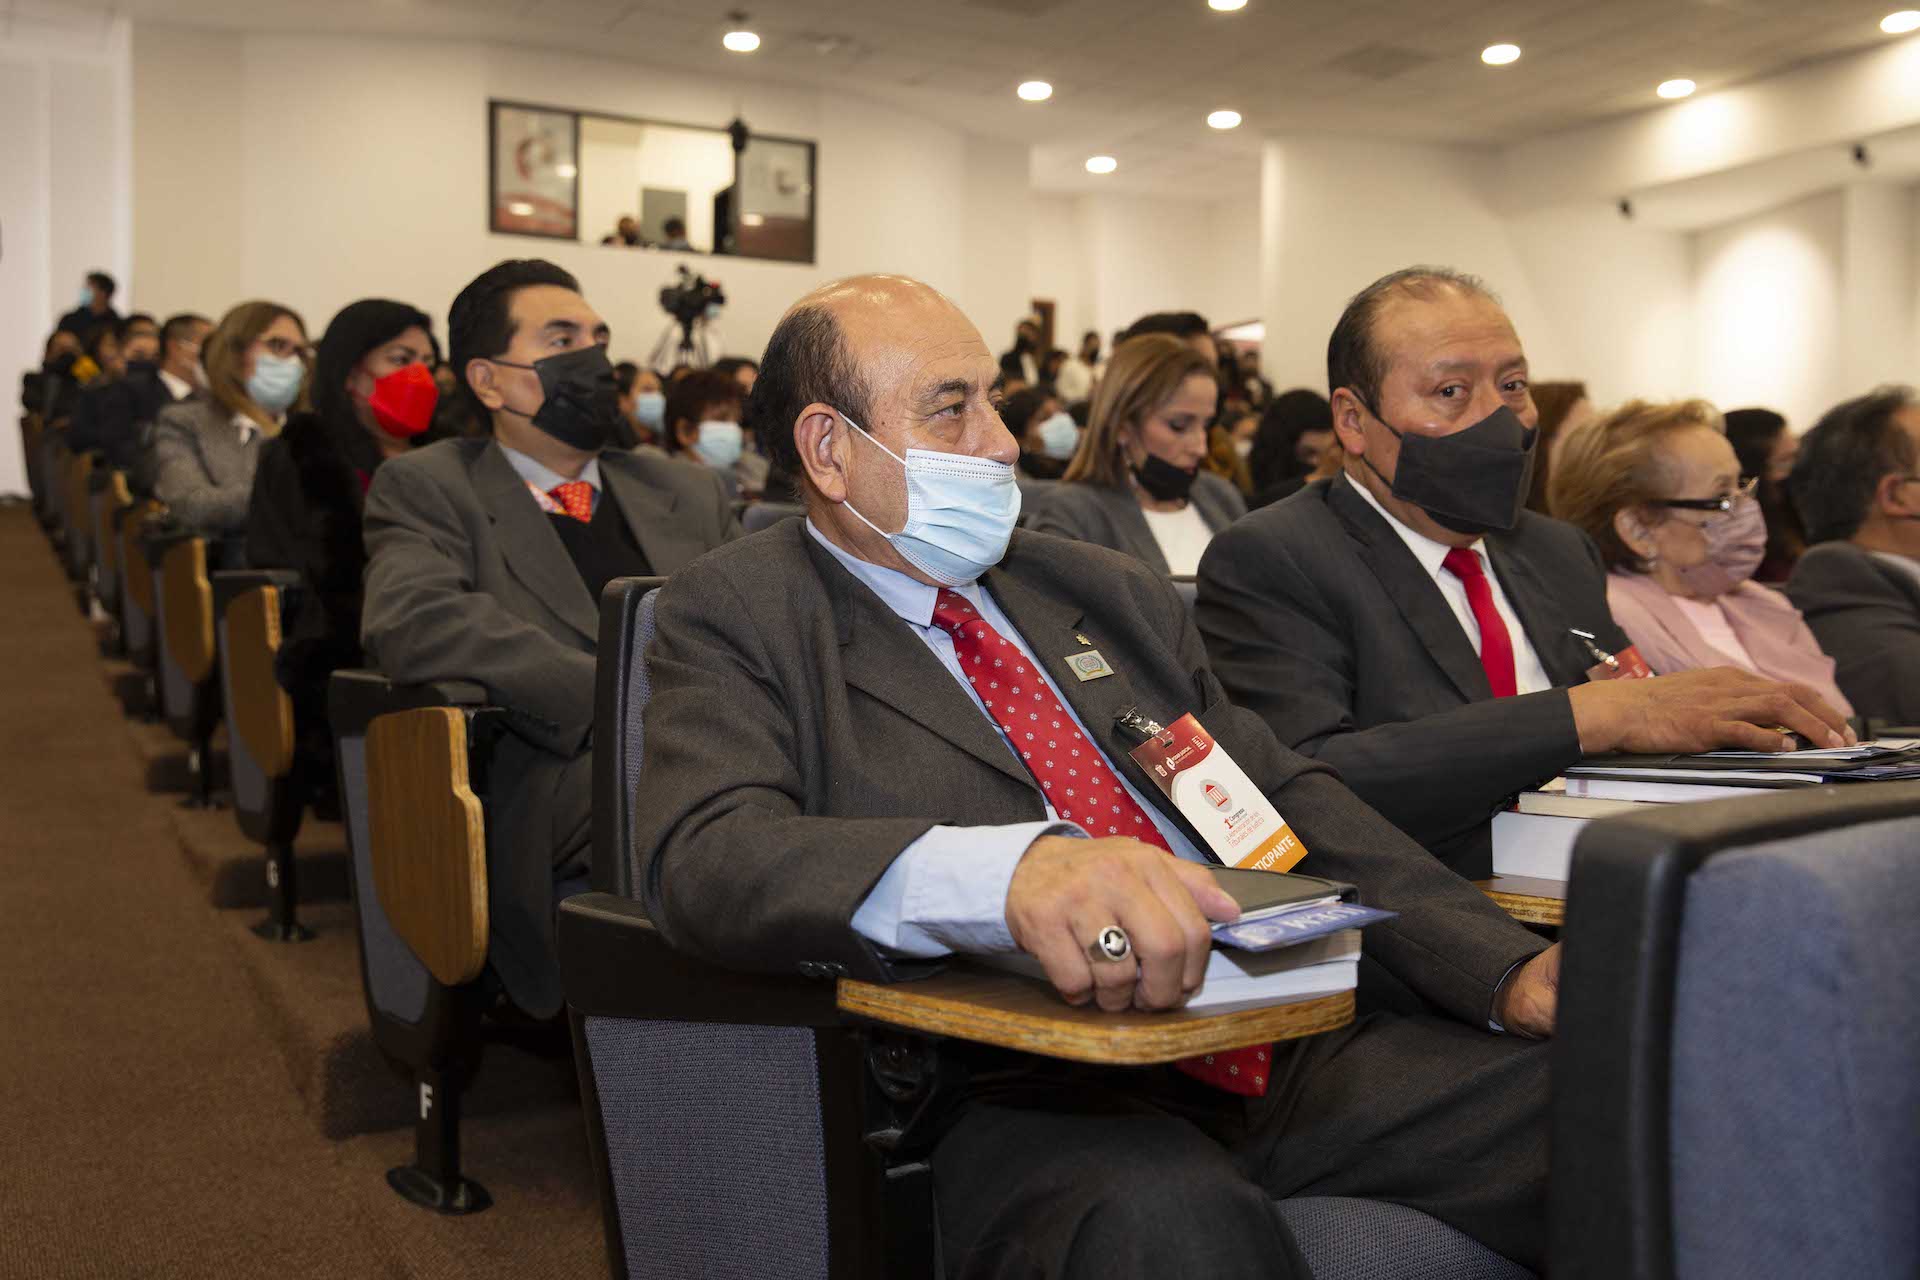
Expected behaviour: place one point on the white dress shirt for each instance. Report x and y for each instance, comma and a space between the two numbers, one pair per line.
1528, 675
177, 385
947, 891
1904, 564
545, 479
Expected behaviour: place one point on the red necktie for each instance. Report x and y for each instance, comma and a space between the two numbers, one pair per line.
1496, 646
1075, 778
575, 498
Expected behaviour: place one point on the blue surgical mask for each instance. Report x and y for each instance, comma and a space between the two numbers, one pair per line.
960, 512
1059, 437
650, 408
86, 295
275, 381
719, 444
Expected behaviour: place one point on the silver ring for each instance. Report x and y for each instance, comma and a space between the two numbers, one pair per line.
1112, 944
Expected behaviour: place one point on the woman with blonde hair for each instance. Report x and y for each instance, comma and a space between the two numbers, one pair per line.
1659, 489
205, 448
1136, 482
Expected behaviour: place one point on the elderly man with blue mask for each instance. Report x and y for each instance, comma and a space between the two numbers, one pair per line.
890, 732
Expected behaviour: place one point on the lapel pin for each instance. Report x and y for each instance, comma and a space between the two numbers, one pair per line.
1088, 666
1082, 639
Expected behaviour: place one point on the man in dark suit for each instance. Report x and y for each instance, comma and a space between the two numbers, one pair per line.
828, 792
1410, 624
116, 417
95, 308
486, 558
1857, 487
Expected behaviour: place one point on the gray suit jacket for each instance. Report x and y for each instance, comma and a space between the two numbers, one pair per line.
800, 736
1111, 517
1866, 615
1318, 617
466, 580
201, 470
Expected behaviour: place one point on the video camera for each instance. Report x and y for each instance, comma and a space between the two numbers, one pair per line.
692, 298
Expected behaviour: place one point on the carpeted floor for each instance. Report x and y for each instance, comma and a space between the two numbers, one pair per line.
168, 1082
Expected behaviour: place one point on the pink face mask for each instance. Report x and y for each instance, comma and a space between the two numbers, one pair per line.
1736, 544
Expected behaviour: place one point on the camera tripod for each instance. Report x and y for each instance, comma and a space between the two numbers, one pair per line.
691, 349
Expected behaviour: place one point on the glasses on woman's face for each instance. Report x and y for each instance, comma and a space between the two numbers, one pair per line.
1725, 502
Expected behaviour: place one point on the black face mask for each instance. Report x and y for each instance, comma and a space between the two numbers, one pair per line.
1472, 481
1163, 481
62, 364
141, 368
582, 406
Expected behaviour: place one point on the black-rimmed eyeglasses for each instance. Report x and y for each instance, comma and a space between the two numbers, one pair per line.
1723, 503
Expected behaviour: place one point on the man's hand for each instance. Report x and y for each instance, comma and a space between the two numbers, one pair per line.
1066, 890
1714, 709
1527, 1001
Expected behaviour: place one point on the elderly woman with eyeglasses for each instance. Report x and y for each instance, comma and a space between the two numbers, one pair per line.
1659, 488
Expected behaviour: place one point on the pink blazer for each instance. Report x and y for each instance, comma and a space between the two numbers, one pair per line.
1765, 620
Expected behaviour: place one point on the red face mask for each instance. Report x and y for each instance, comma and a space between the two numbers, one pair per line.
404, 400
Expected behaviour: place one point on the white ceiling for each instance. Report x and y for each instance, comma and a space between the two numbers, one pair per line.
1135, 78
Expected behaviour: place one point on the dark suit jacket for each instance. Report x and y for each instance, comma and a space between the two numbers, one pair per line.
800, 736
1866, 614
1318, 617
1111, 517
113, 418
467, 580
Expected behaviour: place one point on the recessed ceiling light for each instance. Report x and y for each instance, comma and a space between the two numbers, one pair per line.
740, 41
1675, 88
1102, 164
1499, 55
1035, 91
1226, 6
1898, 24
566, 171
1224, 119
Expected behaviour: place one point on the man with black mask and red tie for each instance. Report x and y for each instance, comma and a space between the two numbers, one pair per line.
1412, 625
486, 557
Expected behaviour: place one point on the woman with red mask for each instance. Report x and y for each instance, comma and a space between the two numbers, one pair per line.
373, 398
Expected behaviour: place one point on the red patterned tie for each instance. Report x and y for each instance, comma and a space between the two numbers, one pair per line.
1496, 646
575, 498
1077, 780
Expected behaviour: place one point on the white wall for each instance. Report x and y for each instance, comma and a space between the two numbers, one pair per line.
1767, 310
360, 168
64, 202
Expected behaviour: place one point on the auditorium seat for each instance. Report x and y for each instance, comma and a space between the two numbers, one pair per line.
78, 551
108, 494
806, 1164
412, 761
250, 605
32, 441
762, 515
185, 650
1737, 1062
139, 607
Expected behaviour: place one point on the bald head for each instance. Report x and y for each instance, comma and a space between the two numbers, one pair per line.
843, 341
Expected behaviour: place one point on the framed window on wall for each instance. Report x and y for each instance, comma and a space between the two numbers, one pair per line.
534, 184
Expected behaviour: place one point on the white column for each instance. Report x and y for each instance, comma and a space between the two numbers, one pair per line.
1876, 288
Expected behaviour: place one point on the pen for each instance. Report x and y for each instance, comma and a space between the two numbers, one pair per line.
1599, 654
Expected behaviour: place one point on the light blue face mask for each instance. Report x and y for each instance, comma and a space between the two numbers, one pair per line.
275, 381
650, 408
960, 512
1059, 437
719, 444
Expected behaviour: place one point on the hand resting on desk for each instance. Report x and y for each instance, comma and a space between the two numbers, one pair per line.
1066, 890
1703, 710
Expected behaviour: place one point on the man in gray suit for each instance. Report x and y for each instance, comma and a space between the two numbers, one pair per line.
1857, 486
486, 559
1410, 624
836, 783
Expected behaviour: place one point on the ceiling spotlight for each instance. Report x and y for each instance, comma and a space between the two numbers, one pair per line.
1102, 164
1224, 119
1675, 88
1226, 6
740, 41
1499, 55
1898, 24
1035, 91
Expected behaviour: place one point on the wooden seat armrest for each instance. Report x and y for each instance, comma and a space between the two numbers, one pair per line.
992, 1006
